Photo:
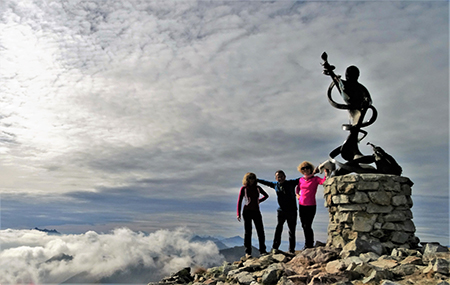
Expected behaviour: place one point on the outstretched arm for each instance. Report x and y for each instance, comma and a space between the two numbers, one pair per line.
324, 177
328, 70
267, 183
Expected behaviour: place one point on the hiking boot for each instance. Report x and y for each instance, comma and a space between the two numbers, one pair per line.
275, 251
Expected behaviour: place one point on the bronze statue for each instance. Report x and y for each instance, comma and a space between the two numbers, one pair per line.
358, 102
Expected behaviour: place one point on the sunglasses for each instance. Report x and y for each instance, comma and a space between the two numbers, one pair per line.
305, 168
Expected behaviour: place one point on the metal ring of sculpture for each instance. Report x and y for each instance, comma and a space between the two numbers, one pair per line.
348, 107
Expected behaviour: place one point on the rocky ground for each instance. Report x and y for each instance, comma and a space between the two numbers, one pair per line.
428, 264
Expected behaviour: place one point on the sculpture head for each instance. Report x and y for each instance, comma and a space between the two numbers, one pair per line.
352, 73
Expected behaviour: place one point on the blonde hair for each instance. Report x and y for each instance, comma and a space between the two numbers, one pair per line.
247, 176
305, 164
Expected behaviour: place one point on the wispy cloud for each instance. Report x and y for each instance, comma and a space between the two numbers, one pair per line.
176, 101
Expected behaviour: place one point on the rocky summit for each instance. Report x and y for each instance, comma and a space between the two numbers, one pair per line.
323, 264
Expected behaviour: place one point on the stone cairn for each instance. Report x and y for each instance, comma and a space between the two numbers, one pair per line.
370, 210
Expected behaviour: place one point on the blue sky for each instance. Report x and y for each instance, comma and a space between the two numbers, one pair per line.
147, 114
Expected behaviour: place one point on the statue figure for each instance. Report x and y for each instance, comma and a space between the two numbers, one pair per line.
358, 102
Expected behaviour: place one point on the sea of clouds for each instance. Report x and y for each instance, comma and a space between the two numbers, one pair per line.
121, 256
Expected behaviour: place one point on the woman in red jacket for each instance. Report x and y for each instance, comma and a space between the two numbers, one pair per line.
306, 194
251, 212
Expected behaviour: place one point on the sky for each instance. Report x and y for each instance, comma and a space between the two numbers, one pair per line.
145, 115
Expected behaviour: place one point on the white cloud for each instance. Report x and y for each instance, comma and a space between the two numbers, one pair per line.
30, 256
106, 95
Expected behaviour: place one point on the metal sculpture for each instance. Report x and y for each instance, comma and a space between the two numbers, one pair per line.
358, 102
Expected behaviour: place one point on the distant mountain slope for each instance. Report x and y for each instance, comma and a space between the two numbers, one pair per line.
219, 244
233, 241
235, 253
50, 232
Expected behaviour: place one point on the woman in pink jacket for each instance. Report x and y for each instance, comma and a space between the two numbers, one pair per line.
306, 194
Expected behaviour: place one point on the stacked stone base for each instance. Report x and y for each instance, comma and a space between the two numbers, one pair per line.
370, 208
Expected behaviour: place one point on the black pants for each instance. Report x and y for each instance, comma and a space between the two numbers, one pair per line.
291, 219
307, 214
256, 217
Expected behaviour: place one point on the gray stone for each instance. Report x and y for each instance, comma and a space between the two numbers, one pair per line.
376, 275
353, 260
399, 252
335, 266
378, 234
363, 222
380, 197
359, 246
253, 264
372, 177
398, 216
392, 186
399, 200
337, 241
389, 226
373, 208
399, 237
388, 246
244, 278
333, 189
332, 227
384, 263
343, 217
404, 269
406, 190
351, 208
349, 178
280, 257
326, 189
438, 265
368, 186
324, 256
349, 189
433, 248
271, 275
363, 269
377, 226
368, 257
285, 281
408, 226
410, 201
340, 199
403, 180
360, 198
232, 273
388, 282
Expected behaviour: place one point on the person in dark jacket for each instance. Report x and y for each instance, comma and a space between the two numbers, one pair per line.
287, 210
251, 212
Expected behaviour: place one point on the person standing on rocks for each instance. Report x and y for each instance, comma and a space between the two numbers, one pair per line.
306, 194
251, 212
287, 210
